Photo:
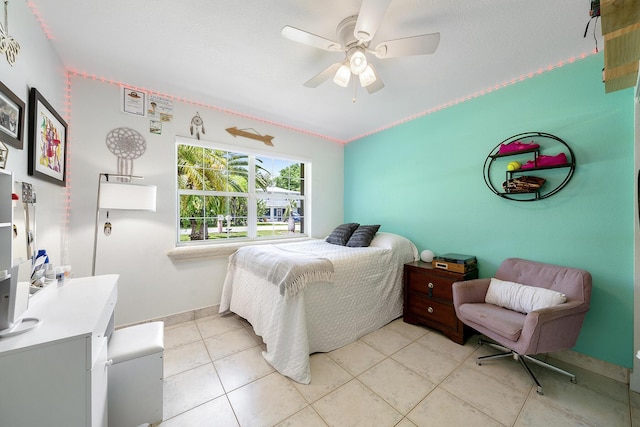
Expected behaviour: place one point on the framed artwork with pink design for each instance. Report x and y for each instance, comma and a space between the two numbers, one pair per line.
47, 141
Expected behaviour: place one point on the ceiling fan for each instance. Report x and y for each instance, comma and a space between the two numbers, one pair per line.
355, 34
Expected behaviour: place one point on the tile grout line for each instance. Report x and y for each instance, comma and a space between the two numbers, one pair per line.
528, 396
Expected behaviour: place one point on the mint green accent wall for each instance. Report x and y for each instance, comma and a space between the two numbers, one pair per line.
424, 180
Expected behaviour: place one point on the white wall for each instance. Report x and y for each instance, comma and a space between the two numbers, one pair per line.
151, 284
37, 65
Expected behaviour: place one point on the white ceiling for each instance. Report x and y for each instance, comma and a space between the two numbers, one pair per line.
230, 54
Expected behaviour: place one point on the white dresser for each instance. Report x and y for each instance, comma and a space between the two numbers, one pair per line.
56, 374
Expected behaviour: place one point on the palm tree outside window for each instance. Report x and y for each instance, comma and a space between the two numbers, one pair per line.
226, 195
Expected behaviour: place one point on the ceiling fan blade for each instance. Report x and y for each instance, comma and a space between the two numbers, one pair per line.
377, 85
418, 45
310, 39
369, 18
323, 75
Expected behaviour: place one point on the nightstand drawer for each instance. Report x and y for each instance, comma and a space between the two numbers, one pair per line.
430, 284
428, 298
432, 311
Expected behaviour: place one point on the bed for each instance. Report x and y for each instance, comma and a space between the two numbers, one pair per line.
363, 294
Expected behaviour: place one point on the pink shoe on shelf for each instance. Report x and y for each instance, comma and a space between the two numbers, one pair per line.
516, 146
546, 161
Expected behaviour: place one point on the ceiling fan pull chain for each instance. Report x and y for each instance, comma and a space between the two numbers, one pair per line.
6, 16
355, 91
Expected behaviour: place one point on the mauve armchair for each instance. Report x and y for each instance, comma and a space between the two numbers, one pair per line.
540, 331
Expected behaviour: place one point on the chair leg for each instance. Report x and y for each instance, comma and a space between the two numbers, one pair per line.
493, 356
526, 367
553, 368
508, 352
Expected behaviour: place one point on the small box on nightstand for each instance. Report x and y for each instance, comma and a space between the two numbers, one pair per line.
455, 262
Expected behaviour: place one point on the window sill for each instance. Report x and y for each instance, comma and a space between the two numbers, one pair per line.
182, 253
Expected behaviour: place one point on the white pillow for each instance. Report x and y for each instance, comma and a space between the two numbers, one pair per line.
386, 240
522, 298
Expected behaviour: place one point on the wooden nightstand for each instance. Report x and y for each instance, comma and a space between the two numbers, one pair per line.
428, 299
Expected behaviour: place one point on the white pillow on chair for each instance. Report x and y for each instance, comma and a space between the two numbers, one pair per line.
522, 298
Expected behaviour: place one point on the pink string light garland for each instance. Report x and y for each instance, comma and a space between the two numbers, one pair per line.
304, 131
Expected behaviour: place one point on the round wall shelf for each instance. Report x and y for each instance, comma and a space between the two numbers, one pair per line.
537, 164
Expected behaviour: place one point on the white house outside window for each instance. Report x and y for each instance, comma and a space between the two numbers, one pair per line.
224, 195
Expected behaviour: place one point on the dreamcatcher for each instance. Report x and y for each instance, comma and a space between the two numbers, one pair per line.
197, 125
8, 45
127, 144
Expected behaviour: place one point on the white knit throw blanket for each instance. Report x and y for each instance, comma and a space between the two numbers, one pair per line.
289, 270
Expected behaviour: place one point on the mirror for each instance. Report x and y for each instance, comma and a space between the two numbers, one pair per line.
24, 221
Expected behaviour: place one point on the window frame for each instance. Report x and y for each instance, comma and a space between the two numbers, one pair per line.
252, 195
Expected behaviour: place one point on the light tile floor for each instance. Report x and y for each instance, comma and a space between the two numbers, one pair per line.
400, 375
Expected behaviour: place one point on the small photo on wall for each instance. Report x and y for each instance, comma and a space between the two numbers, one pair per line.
155, 126
160, 108
133, 101
11, 118
4, 153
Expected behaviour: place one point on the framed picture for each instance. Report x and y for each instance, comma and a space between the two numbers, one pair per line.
134, 101
47, 141
4, 153
11, 118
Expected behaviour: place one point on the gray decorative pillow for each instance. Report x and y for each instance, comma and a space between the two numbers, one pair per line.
340, 235
362, 236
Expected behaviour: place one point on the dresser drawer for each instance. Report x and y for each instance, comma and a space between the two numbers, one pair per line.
432, 311
430, 284
428, 298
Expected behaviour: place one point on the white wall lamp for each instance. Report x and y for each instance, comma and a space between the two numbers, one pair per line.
120, 194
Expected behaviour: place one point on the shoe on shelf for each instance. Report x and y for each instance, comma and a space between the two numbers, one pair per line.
546, 161
523, 184
516, 146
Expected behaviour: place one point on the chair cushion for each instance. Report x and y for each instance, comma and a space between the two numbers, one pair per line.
522, 298
136, 341
504, 322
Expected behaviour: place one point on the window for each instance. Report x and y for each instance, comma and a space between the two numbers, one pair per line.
224, 195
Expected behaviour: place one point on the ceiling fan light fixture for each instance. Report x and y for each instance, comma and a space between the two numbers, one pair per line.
342, 76
367, 77
354, 34
358, 62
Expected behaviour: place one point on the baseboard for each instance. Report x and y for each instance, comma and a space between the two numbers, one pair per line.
606, 369
185, 316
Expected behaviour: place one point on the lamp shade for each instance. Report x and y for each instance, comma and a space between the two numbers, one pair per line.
127, 196
367, 77
358, 62
342, 76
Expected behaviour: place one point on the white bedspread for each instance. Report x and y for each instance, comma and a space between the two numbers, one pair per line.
288, 269
366, 294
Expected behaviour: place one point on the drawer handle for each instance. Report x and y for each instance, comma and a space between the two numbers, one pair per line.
430, 309
430, 285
